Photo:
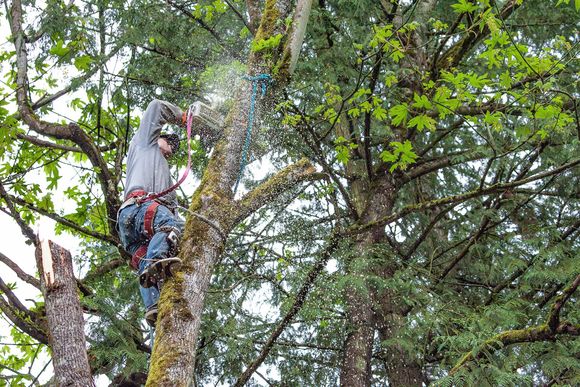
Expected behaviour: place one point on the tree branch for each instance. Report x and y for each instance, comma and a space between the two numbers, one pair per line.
527, 335
284, 180
253, 7
19, 272
103, 269
294, 309
25, 326
202, 24
554, 316
15, 303
64, 221
426, 231
239, 15
517, 273
461, 197
544, 332
429, 166
456, 52
26, 230
75, 82
315, 147
47, 144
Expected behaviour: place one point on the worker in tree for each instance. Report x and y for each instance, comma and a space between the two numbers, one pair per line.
150, 229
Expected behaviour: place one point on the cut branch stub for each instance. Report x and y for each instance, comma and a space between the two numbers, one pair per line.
64, 315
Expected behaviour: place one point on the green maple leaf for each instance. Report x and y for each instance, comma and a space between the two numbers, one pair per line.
422, 102
354, 112
388, 157
464, 6
505, 79
380, 114
342, 154
83, 62
399, 113
59, 50
422, 121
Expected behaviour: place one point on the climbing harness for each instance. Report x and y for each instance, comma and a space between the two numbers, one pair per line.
140, 196
263, 80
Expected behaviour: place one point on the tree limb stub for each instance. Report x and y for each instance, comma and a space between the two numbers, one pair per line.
64, 315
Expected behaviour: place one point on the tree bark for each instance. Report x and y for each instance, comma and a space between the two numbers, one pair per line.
372, 204
356, 363
64, 315
401, 368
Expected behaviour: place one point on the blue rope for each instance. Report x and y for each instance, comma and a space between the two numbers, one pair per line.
262, 80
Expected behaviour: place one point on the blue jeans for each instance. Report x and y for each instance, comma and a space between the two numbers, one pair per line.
130, 224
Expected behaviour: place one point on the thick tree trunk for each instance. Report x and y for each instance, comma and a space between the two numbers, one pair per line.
370, 309
401, 367
181, 304
64, 315
357, 357
182, 300
356, 363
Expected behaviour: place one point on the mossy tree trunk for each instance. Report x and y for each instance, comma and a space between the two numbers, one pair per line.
182, 300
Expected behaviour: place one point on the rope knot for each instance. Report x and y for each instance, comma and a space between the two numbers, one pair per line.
263, 79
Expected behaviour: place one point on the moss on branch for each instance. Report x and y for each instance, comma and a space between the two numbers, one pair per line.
285, 179
527, 335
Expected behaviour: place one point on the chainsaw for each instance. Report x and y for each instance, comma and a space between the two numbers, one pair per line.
207, 122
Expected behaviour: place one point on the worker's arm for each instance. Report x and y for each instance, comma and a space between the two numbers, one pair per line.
157, 114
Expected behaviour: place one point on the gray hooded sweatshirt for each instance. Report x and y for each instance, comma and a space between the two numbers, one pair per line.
147, 169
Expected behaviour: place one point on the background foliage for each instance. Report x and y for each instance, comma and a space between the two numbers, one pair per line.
427, 117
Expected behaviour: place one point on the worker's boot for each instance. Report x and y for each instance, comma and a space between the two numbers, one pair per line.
158, 271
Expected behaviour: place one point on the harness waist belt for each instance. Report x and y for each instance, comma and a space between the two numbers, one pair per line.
132, 198
136, 193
